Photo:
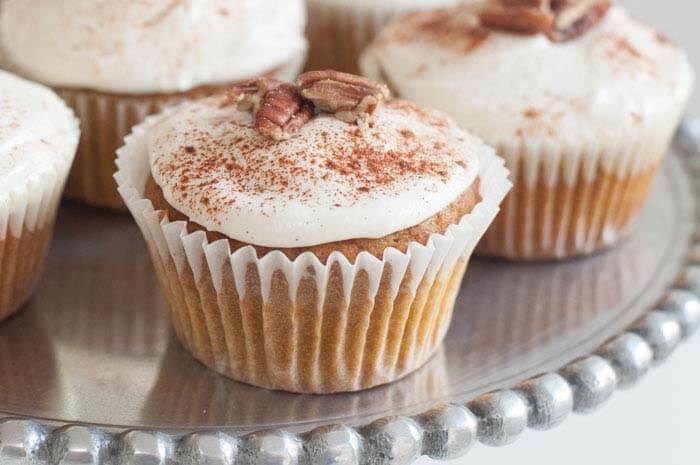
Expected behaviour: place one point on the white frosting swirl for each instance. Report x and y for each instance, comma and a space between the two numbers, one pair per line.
331, 182
618, 78
149, 46
38, 133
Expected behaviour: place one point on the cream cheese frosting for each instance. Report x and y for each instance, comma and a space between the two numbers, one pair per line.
38, 133
331, 182
152, 46
619, 78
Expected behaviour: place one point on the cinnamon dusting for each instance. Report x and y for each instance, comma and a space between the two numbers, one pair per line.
366, 160
532, 113
164, 13
456, 28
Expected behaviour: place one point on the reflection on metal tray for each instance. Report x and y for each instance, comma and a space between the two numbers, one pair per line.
94, 348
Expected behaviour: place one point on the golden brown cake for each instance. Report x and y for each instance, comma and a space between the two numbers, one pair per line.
309, 237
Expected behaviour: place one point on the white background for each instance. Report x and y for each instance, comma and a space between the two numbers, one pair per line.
658, 421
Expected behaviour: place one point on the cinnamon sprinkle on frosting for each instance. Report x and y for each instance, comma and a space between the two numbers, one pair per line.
457, 28
215, 167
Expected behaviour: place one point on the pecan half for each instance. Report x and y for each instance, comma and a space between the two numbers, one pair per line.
518, 16
282, 112
561, 20
574, 17
277, 107
350, 98
248, 95
530, 3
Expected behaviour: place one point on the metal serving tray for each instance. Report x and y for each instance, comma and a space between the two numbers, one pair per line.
90, 372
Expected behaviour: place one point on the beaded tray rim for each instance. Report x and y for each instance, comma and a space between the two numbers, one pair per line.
445, 432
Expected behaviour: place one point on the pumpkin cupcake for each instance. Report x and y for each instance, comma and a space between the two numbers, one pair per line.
39, 137
340, 29
579, 98
310, 237
116, 61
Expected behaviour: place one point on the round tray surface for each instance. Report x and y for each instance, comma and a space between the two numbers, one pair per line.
94, 345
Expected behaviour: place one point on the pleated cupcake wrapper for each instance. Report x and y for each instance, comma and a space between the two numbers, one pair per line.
575, 195
303, 325
107, 119
27, 213
338, 33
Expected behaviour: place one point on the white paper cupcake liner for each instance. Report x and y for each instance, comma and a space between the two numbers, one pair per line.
27, 213
303, 325
578, 194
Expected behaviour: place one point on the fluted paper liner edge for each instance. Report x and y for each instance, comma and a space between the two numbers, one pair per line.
575, 195
27, 213
205, 281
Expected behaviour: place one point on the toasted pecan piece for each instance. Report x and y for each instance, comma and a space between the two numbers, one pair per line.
561, 20
282, 112
349, 97
518, 16
247, 95
277, 107
574, 17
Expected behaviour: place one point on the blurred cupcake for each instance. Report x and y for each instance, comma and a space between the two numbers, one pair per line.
39, 137
340, 29
117, 61
580, 99
309, 238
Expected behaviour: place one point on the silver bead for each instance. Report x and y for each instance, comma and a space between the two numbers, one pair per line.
333, 445
630, 356
207, 449
503, 416
449, 431
22, 442
684, 306
550, 400
392, 441
661, 331
592, 380
690, 280
275, 447
144, 448
78, 445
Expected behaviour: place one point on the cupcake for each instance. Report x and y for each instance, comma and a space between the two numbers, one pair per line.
340, 29
117, 61
310, 237
39, 137
580, 99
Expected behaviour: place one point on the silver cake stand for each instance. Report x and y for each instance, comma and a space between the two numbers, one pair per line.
91, 374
